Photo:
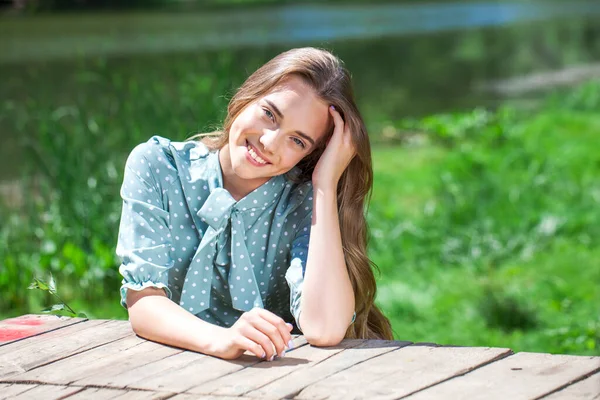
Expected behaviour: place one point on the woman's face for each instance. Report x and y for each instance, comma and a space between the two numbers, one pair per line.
272, 134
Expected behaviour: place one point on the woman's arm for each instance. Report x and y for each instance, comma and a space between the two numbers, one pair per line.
155, 317
327, 299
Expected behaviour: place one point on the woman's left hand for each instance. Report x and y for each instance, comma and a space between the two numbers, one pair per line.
337, 155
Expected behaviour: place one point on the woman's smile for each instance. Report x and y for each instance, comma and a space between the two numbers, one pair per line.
264, 143
255, 157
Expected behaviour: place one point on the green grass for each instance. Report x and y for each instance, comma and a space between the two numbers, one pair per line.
488, 236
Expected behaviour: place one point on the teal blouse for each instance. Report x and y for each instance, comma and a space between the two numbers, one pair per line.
182, 231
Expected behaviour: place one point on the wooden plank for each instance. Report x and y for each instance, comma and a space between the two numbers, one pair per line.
184, 396
9, 390
47, 392
71, 369
256, 376
288, 385
143, 395
57, 345
183, 371
107, 371
31, 342
106, 393
25, 326
521, 376
588, 389
401, 372
167, 373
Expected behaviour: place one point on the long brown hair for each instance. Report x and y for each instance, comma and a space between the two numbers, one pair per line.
326, 75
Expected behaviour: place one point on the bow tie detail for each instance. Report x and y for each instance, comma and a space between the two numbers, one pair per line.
224, 244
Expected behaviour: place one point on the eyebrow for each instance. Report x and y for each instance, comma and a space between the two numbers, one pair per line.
278, 112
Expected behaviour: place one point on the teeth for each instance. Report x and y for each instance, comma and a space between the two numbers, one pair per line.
255, 156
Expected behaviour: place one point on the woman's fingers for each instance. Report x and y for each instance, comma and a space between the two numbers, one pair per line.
283, 328
337, 120
266, 334
343, 131
253, 346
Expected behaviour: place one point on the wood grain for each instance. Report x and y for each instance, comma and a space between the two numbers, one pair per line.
183, 371
588, 389
46, 392
103, 359
401, 372
19, 328
34, 352
294, 382
254, 377
522, 376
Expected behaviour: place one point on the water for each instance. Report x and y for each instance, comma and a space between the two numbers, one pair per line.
114, 34
406, 59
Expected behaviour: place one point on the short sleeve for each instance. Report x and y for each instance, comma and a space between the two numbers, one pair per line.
295, 273
144, 241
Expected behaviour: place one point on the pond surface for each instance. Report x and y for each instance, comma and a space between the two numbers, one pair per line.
406, 59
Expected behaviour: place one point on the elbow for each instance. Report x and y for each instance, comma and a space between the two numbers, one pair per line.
322, 333
323, 338
323, 341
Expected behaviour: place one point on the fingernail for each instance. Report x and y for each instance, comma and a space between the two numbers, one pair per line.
272, 357
290, 345
282, 354
332, 107
264, 355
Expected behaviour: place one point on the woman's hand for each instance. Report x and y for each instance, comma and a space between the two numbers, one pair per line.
259, 331
337, 155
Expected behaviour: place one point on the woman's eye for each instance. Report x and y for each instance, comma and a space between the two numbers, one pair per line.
269, 114
299, 142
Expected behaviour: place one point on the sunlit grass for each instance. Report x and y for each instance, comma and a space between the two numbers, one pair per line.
536, 288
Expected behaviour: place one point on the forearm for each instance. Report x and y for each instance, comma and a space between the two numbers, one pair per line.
327, 302
155, 317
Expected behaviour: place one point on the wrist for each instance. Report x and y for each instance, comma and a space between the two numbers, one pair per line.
214, 341
325, 189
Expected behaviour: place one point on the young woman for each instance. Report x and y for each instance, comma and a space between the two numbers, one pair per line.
227, 238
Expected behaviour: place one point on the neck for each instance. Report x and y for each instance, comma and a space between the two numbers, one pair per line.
236, 186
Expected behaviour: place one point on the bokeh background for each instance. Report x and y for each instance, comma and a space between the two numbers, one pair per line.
484, 118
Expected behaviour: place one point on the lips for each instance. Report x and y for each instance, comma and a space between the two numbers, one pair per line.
256, 155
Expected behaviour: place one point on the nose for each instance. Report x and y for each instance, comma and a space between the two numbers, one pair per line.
269, 140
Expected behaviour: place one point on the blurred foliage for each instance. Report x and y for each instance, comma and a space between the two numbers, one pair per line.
489, 221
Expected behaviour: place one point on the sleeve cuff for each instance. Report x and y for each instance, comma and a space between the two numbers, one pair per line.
141, 286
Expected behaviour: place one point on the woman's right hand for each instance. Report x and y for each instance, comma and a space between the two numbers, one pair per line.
258, 331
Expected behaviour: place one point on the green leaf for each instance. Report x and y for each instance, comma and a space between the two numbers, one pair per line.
52, 284
38, 284
82, 315
55, 307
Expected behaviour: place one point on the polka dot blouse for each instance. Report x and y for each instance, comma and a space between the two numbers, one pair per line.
218, 258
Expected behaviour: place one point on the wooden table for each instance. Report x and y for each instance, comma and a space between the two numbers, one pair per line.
43, 357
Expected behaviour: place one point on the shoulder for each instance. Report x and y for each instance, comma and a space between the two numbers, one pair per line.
160, 155
155, 151
298, 200
159, 148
